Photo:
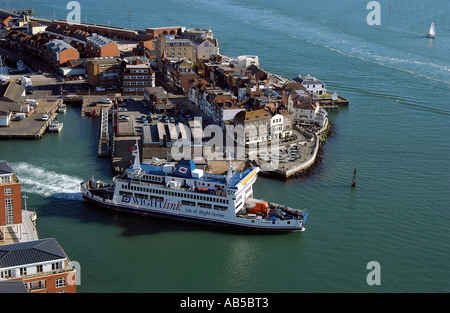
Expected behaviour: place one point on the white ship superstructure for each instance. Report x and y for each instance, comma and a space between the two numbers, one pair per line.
181, 191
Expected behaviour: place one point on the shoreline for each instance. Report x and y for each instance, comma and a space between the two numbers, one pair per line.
286, 170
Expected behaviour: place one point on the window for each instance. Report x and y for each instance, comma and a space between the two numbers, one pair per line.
8, 191
190, 203
60, 282
23, 271
9, 211
5, 179
56, 266
39, 268
5, 274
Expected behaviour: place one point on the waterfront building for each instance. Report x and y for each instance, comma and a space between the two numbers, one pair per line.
10, 200
307, 113
34, 28
170, 47
154, 32
244, 61
104, 72
312, 84
42, 266
69, 34
12, 100
100, 46
256, 125
205, 48
58, 53
298, 100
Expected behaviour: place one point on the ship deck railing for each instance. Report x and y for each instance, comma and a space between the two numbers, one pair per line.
190, 189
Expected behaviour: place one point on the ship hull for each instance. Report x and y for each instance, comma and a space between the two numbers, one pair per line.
244, 224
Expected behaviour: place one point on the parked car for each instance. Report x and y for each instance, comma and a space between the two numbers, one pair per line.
105, 100
44, 117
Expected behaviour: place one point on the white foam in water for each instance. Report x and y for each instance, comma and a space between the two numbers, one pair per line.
47, 183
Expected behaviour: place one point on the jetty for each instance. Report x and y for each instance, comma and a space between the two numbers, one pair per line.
103, 142
35, 124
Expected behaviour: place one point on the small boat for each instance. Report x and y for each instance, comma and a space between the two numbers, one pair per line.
62, 109
93, 112
55, 126
431, 32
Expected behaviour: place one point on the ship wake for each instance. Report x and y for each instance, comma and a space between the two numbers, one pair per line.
47, 183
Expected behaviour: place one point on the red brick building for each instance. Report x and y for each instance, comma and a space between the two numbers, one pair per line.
42, 265
10, 198
153, 33
99, 46
59, 53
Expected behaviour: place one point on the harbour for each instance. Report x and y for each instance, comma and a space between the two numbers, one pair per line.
395, 214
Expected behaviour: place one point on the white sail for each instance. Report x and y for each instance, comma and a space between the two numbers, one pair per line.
432, 31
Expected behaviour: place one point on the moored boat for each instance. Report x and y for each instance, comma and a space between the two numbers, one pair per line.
55, 126
181, 191
62, 109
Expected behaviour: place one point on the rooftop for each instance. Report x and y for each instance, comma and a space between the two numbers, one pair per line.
97, 40
57, 46
30, 252
5, 168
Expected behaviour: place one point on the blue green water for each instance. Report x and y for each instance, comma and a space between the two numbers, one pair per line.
395, 132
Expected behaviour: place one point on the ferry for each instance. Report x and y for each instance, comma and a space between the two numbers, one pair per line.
181, 191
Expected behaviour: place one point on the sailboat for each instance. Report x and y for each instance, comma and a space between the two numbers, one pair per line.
431, 32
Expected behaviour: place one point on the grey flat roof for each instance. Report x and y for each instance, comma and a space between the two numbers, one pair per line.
16, 286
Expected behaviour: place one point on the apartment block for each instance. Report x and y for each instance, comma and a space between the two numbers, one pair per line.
136, 77
104, 72
42, 266
99, 46
58, 53
10, 198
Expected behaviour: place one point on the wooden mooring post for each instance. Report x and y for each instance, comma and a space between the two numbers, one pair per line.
354, 178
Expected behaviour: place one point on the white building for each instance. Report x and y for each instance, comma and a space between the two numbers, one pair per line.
245, 61
34, 28
312, 84
276, 126
308, 113
205, 47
